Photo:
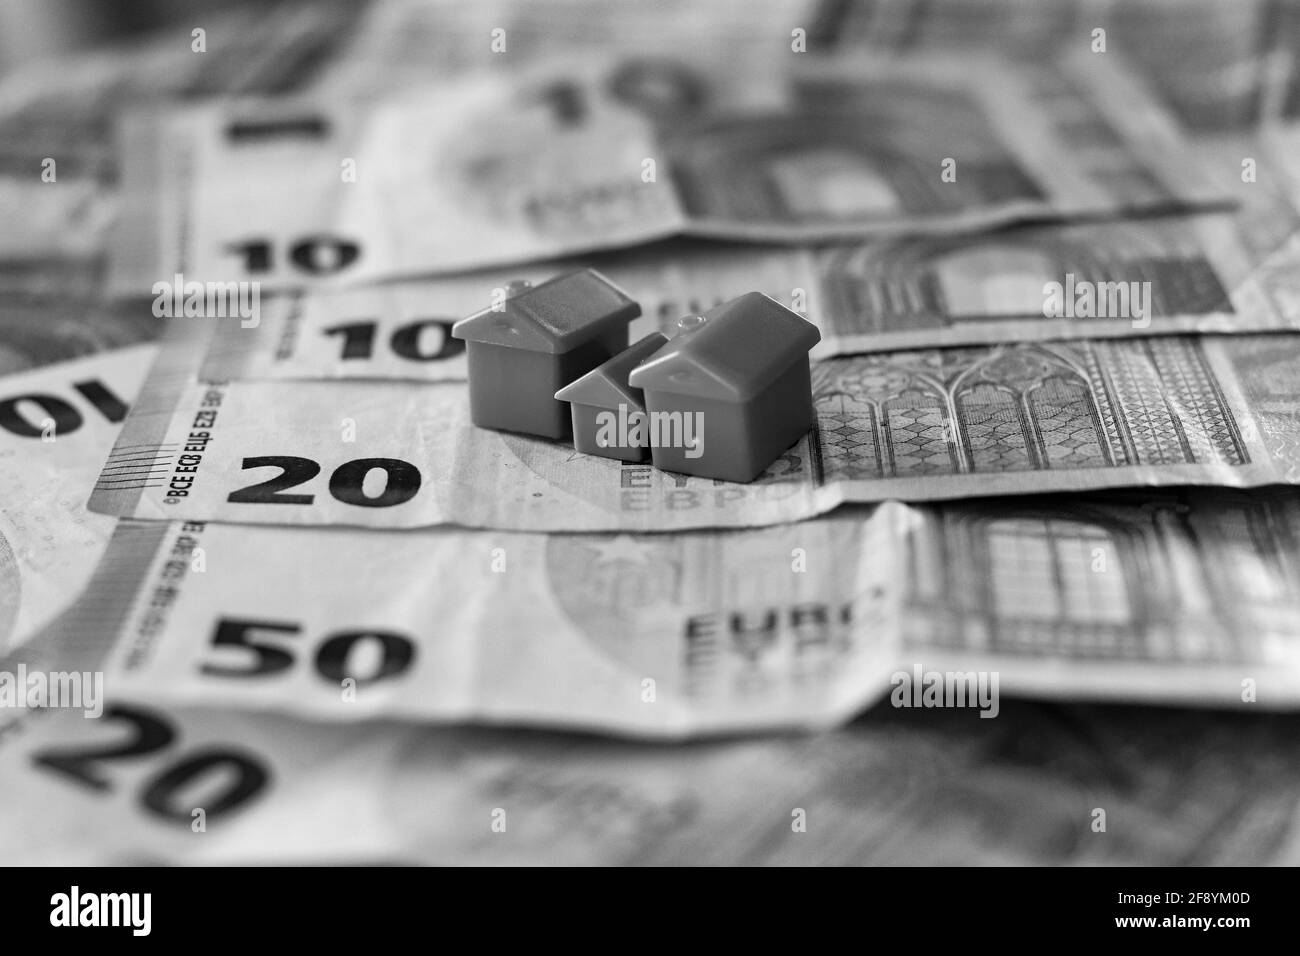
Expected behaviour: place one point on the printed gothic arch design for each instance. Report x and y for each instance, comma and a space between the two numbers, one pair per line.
1028, 408
882, 420
1059, 406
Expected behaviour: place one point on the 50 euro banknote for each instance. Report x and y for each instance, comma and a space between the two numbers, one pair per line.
568, 158
1151, 596
917, 425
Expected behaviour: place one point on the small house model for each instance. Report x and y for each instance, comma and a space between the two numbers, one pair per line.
539, 339
608, 413
742, 370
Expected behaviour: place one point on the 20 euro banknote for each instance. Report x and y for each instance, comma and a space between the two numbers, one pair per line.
932, 424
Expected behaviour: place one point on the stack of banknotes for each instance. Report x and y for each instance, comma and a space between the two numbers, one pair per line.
1053, 250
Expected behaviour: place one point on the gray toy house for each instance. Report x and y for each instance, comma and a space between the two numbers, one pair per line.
543, 338
744, 366
604, 389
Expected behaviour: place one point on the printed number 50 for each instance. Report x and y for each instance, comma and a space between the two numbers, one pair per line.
336, 655
347, 483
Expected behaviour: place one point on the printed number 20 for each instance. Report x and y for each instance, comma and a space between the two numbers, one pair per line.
347, 483
241, 776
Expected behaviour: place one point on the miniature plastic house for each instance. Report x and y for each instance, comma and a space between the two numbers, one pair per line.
741, 370
534, 343
608, 413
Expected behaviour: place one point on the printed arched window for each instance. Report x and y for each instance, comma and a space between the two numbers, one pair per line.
994, 428
849, 430
1066, 423
1056, 570
918, 436
1028, 408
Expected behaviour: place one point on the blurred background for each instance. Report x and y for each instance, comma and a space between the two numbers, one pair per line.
35, 29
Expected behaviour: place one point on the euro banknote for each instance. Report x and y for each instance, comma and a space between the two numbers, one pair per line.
42, 326
1211, 272
569, 158
56, 424
916, 425
58, 158
404, 43
218, 787
1218, 67
1172, 597
1136, 277
473, 626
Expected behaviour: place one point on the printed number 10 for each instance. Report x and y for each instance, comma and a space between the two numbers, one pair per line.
316, 255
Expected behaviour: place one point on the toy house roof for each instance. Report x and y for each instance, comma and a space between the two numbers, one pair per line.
738, 349
606, 386
556, 316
